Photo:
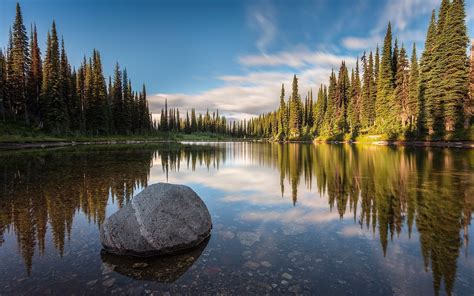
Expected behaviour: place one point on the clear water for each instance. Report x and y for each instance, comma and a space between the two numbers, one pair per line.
288, 218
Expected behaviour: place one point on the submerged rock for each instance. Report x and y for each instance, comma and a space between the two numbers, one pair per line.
167, 269
162, 219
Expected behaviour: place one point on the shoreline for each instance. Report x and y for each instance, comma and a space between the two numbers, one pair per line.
18, 145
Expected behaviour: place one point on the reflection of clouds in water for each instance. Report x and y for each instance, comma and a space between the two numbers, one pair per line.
294, 215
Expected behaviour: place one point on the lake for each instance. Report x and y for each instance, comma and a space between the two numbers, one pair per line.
287, 219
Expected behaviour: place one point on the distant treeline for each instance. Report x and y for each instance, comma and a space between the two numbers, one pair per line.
400, 99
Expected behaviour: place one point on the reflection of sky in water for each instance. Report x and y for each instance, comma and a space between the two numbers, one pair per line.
261, 242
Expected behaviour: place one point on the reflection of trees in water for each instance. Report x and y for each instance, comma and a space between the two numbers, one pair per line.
391, 187
384, 188
41, 188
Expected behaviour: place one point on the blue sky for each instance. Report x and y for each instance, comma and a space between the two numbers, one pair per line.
225, 54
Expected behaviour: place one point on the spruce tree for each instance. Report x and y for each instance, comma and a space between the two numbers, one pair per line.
402, 88
19, 68
453, 61
384, 105
319, 110
3, 81
54, 108
426, 102
282, 113
295, 111
355, 101
35, 77
469, 105
117, 101
413, 91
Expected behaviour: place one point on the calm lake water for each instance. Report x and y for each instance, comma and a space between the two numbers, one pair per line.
288, 218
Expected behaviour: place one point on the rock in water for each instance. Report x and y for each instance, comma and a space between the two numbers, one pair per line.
162, 219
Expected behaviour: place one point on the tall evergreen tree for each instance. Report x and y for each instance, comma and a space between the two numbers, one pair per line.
19, 68
453, 61
469, 105
54, 108
425, 119
402, 86
283, 115
295, 111
384, 105
3, 81
118, 104
35, 77
413, 104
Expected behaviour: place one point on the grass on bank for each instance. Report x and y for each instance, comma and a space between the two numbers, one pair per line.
17, 133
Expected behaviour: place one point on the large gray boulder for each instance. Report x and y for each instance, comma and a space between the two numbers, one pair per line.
162, 219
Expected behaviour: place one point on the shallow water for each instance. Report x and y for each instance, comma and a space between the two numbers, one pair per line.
288, 218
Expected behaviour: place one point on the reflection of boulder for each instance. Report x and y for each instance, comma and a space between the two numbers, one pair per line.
162, 269
162, 219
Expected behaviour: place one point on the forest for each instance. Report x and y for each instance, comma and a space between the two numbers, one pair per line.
390, 94
45, 93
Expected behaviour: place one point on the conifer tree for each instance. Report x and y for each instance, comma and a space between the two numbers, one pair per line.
54, 108
319, 109
355, 100
118, 103
65, 82
35, 77
402, 87
425, 119
295, 111
342, 98
329, 121
384, 106
453, 61
413, 103
469, 105
20, 59
3, 81
282, 113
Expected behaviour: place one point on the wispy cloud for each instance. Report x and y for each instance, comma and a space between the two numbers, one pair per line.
262, 17
402, 12
256, 92
298, 58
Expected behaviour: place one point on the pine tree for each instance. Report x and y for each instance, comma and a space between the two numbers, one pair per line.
54, 108
319, 110
3, 81
342, 98
413, 103
367, 106
453, 61
355, 101
328, 126
19, 67
384, 105
295, 111
425, 119
117, 101
402, 88
469, 105
283, 118
65, 81
35, 77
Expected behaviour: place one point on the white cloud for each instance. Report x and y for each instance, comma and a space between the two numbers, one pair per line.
257, 92
296, 59
263, 19
402, 12
357, 43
